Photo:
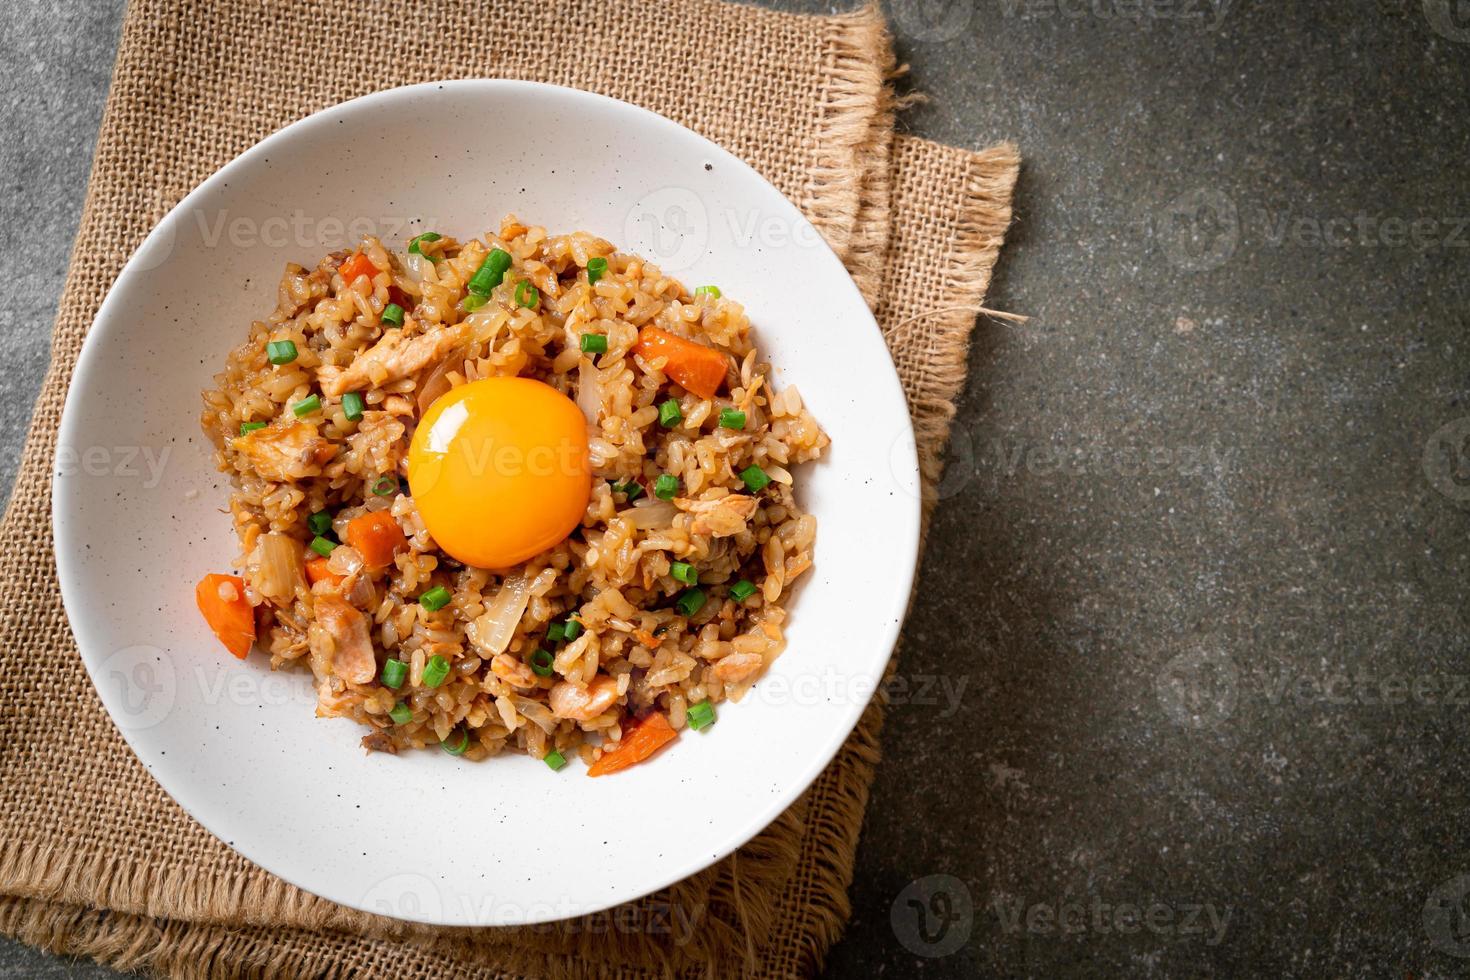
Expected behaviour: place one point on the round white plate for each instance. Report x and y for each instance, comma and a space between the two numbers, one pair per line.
138, 509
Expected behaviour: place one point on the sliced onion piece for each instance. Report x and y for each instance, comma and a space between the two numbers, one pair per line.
490, 632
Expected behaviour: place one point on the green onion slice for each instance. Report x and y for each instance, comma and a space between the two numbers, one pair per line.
247, 427
713, 292
281, 351
322, 546
401, 714
393, 314
394, 671
684, 572
666, 486
732, 419
573, 629
352, 406
701, 715
435, 599
320, 522
690, 602
630, 488
555, 760
669, 414
473, 303
428, 236
456, 747
556, 632
307, 405
435, 671
742, 590
541, 661
596, 269
385, 486
527, 295
755, 479
594, 343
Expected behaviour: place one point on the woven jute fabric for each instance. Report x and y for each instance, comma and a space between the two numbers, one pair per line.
95, 859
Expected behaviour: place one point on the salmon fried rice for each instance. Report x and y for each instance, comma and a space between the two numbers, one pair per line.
638, 584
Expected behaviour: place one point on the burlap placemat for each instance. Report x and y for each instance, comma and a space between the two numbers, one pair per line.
94, 858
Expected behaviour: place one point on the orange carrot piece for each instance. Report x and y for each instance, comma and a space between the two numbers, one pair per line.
376, 536
646, 638
317, 571
232, 619
357, 265
698, 368
642, 741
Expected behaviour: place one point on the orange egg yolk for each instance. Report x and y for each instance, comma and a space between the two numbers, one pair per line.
499, 471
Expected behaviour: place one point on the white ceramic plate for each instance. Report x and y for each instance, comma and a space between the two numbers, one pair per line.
138, 509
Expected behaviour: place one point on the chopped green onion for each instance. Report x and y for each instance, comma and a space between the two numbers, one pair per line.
594, 343
631, 488
669, 413
666, 486
385, 486
281, 351
731, 419
684, 572
573, 629
690, 602
322, 546
490, 273
307, 405
556, 632
352, 406
596, 269
435, 671
436, 598
755, 478
473, 303
251, 426
393, 314
713, 292
428, 236
401, 714
320, 522
527, 295
394, 671
742, 590
701, 715
541, 662
457, 748
555, 760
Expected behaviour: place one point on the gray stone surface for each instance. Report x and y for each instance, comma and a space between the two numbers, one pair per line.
1187, 675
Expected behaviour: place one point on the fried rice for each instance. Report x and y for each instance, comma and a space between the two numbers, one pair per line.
567, 652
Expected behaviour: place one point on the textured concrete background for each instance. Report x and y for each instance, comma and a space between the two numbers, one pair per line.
1187, 675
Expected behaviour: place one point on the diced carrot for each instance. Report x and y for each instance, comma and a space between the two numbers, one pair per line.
356, 265
376, 536
646, 638
640, 742
317, 571
698, 368
229, 614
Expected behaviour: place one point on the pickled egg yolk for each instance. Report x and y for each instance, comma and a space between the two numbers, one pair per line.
498, 469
